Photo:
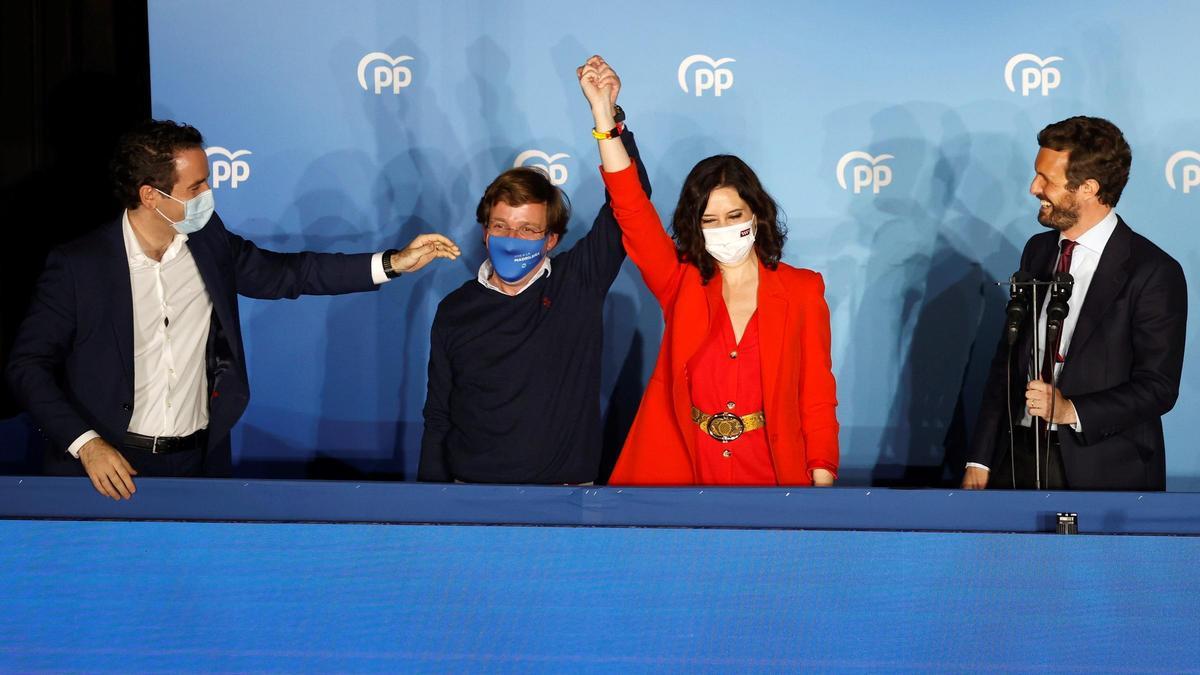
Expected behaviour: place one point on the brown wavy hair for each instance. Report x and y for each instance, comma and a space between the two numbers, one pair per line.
725, 171
526, 185
1097, 150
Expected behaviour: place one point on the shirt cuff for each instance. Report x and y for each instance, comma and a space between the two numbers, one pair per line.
977, 465
84, 438
377, 273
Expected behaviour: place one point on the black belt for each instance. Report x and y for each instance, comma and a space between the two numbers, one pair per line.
161, 445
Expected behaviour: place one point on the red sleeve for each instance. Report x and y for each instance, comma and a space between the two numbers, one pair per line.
818, 390
647, 244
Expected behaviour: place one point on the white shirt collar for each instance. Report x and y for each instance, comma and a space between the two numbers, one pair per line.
133, 248
1096, 238
485, 275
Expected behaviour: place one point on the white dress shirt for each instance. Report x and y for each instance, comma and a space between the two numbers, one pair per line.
1084, 260
172, 314
484, 277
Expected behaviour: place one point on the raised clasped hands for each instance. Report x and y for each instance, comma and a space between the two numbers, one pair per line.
600, 86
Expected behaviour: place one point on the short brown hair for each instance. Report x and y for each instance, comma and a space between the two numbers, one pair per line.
1097, 150
526, 185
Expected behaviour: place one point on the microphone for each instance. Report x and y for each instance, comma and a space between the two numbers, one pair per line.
1057, 309
1018, 305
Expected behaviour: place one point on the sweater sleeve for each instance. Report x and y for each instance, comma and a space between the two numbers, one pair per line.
600, 253
647, 244
432, 465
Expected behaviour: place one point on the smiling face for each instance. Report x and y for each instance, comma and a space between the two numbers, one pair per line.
1059, 204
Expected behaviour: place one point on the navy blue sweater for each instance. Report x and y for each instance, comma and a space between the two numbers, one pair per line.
514, 381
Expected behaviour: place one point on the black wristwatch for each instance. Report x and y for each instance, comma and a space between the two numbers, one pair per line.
387, 264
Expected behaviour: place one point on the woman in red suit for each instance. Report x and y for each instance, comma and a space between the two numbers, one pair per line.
743, 391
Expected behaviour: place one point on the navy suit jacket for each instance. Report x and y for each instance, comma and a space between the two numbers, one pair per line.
71, 364
1121, 372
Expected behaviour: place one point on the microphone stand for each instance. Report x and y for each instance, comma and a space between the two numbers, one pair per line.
1034, 368
1060, 293
1035, 361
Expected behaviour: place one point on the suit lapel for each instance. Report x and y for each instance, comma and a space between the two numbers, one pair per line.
1109, 279
1041, 266
218, 291
772, 324
116, 269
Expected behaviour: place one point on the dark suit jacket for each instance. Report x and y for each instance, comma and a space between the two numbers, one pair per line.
1122, 367
71, 364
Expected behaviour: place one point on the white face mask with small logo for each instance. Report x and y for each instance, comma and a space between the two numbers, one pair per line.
730, 244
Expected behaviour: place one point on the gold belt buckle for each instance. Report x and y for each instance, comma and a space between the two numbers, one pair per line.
725, 427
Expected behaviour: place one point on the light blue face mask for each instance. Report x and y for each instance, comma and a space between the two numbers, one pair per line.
196, 212
513, 257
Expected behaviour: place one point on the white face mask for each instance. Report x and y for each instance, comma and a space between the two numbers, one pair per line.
196, 212
730, 244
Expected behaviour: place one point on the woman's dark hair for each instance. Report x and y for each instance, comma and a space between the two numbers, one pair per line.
708, 175
1097, 149
145, 155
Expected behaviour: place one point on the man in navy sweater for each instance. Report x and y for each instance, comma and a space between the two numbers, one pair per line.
514, 361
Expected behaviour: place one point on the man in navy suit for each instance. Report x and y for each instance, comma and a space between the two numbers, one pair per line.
1118, 362
130, 359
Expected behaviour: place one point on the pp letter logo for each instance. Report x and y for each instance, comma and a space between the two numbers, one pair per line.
1190, 172
869, 174
227, 167
387, 73
557, 173
713, 77
1038, 76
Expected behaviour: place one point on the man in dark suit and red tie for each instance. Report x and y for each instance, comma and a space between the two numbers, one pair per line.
130, 359
1120, 349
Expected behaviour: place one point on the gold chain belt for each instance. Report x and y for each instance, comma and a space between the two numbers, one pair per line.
725, 426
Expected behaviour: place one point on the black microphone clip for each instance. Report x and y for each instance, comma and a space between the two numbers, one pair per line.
1057, 309
1018, 305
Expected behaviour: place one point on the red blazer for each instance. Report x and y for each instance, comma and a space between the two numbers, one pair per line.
798, 386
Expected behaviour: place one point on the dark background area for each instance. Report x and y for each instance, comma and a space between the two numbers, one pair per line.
74, 76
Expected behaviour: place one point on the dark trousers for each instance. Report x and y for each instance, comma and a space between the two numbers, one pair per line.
185, 464
1025, 465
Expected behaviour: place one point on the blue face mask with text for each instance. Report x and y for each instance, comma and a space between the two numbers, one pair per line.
513, 257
